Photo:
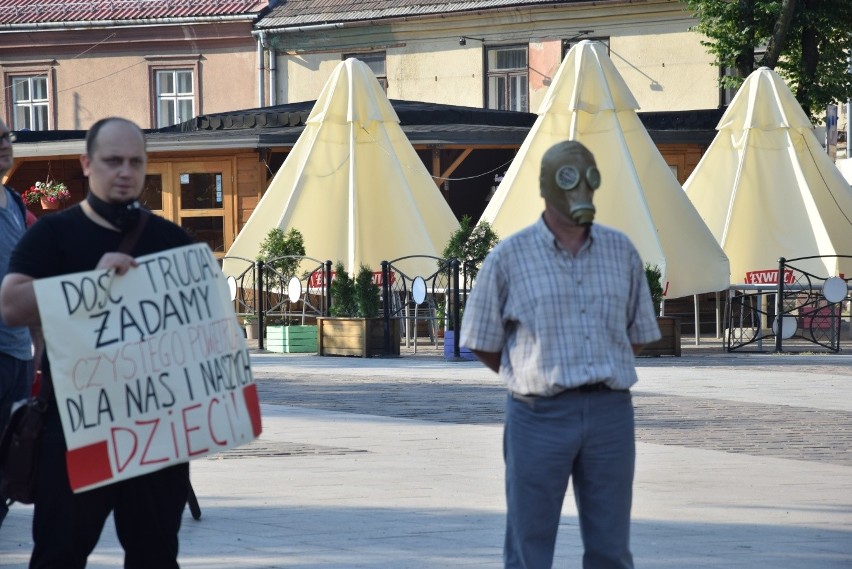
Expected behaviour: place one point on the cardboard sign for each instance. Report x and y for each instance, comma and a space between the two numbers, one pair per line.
149, 369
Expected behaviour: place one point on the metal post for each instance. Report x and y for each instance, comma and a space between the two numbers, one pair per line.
386, 304
779, 317
260, 308
326, 279
456, 300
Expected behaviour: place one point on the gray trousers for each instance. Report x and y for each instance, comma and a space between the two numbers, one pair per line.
587, 437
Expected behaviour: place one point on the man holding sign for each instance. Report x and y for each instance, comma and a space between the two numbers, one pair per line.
147, 372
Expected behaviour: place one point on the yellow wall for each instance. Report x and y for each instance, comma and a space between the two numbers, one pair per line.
663, 63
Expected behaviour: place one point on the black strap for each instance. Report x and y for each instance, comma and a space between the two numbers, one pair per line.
131, 237
16, 197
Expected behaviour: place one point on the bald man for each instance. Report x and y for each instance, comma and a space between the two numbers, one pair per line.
146, 509
558, 310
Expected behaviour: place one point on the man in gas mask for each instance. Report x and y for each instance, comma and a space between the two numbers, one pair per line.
558, 311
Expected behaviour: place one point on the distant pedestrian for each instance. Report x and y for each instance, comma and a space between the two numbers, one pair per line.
558, 310
16, 350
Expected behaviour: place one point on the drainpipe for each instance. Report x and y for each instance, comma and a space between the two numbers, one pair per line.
273, 77
261, 40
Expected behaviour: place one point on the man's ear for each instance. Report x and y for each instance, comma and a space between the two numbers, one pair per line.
84, 162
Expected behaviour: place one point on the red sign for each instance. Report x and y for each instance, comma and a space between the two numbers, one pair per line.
769, 276
317, 278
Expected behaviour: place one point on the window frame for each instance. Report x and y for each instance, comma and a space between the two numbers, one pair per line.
509, 75
29, 72
383, 77
171, 64
568, 44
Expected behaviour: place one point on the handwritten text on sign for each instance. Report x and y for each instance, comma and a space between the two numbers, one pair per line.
150, 369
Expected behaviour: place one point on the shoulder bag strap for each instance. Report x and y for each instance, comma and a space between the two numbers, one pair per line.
131, 237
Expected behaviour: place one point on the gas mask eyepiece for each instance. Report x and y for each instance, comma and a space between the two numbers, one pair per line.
568, 177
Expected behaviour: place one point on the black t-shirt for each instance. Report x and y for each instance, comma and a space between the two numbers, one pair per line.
69, 242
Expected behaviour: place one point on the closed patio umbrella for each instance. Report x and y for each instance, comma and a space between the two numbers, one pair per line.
353, 185
588, 101
767, 189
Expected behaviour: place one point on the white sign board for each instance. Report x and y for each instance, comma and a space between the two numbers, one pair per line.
149, 369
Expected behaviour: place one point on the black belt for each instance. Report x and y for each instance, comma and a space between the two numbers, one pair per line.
590, 388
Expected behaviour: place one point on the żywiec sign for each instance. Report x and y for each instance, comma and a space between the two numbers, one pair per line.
769, 276
149, 369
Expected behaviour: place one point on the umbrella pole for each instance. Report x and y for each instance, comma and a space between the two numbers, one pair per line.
697, 330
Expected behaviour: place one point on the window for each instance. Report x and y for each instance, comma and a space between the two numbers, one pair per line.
175, 89
376, 62
30, 102
567, 44
508, 75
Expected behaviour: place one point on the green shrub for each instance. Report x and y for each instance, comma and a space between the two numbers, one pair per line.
655, 276
367, 294
343, 300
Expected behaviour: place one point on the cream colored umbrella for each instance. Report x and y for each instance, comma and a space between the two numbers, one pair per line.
353, 185
588, 101
767, 189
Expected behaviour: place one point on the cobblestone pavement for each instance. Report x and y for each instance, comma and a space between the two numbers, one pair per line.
799, 433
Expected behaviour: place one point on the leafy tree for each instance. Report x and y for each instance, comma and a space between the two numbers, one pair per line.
471, 244
278, 244
807, 42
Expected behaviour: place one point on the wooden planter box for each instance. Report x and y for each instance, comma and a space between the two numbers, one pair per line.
362, 337
291, 339
669, 344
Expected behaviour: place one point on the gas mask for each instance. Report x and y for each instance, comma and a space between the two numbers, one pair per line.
568, 180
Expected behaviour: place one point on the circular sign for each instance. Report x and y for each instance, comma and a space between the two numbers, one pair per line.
232, 287
788, 327
418, 290
294, 289
567, 177
834, 289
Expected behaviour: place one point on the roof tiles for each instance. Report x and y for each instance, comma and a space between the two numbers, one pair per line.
45, 11
299, 12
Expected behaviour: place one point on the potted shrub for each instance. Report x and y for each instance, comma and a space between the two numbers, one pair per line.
250, 324
669, 344
354, 328
470, 245
282, 253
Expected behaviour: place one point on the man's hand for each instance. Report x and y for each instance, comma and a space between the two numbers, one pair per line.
490, 359
118, 261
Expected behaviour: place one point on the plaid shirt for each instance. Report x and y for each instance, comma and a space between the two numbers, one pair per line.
559, 320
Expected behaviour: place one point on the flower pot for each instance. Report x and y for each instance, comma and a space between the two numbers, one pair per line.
252, 330
361, 337
449, 339
669, 344
47, 204
291, 339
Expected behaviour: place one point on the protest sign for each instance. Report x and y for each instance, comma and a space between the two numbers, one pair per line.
150, 368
